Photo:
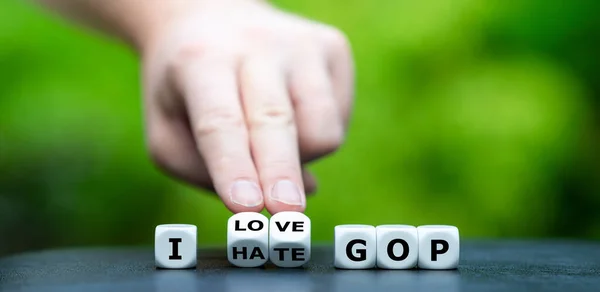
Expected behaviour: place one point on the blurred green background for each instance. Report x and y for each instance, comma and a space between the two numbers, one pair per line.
479, 114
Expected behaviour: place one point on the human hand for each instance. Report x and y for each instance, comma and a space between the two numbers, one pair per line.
239, 95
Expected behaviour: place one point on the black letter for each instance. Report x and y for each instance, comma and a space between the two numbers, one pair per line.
296, 253
237, 226
435, 251
297, 226
257, 253
390, 249
175, 248
260, 225
361, 252
280, 250
282, 229
243, 252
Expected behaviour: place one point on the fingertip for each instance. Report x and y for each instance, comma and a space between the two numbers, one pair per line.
244, 196
275, 207
235, 208
286, 195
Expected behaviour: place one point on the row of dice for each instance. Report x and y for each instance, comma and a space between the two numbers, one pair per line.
252, 240
396, 247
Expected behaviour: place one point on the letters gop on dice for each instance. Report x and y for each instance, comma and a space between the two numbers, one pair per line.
396, 247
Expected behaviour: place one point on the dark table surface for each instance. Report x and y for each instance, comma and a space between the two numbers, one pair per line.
484, 266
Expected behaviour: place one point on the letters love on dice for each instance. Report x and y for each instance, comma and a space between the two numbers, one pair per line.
252, 239
289, 239
248, 239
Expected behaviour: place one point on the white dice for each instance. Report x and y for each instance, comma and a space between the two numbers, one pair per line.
175, 246
439, 247
397, 246
285, 240
355, 247
248, 239
289, 239
435, 247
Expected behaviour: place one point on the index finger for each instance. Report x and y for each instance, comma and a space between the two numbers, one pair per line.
273, 134
210, 90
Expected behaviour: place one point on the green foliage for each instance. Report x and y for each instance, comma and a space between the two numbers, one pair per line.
473, 113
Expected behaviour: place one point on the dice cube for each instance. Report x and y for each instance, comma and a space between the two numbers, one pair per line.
248, 239
355, 246
289, 239
397, 246
439, 247
175, 246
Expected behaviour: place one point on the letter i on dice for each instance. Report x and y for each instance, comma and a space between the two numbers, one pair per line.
289, 242
248, 239
175, 246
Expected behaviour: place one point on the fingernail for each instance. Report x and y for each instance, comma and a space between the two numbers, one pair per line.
246, 193
286, 192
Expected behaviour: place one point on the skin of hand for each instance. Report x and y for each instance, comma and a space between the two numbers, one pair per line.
239, 95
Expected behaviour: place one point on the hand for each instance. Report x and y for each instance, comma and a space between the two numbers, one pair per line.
239, 95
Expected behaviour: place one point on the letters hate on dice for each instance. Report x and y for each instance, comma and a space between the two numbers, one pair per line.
439, 247
397, 246
248, 239
355, 247
289, 239
175, 246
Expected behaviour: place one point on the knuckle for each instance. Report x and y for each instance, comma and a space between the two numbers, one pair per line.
217, 120
327, 133
280, 167
337, 40
261, 33
193, 51
333, 142
330, 144
272, 115
231, 166
315, 88
201, 53
158, 152
324, 109
328, 141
